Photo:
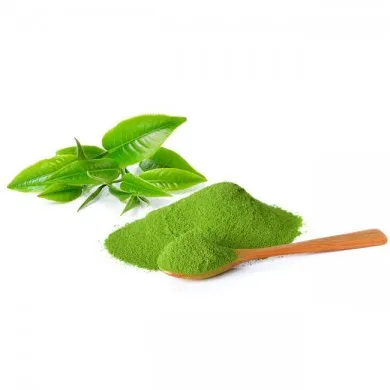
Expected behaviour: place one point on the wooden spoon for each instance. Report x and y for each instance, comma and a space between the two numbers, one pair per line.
362, 239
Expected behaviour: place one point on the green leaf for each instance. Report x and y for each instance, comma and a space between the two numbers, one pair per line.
61, 193
166, 158
80, 151
137, 186
90, 151
76, 173
91, 197
101, 179
121, 195
172, 179
35, 177
132, 203
135, 139
145, 200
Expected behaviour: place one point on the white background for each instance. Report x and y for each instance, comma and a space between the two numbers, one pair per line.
290, 99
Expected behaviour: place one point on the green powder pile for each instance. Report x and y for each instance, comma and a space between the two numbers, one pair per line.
193, 253
231, 217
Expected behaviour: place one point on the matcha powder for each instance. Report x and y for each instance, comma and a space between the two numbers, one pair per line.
194, 253
223, 212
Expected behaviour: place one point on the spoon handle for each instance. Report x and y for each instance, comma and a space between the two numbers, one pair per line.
362, 239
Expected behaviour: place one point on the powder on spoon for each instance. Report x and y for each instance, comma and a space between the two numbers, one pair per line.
192, 253
230, 216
